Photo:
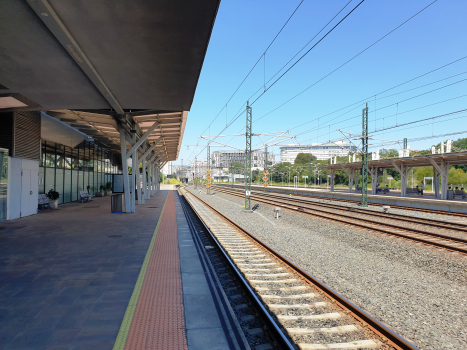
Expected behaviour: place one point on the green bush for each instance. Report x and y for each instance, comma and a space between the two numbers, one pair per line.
53, 195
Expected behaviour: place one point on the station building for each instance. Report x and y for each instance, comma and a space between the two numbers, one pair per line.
224, 159
321, 151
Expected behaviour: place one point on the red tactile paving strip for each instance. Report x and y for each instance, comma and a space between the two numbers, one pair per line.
158, 321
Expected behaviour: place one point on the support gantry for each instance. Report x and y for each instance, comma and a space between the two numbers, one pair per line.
247, 176
365, 156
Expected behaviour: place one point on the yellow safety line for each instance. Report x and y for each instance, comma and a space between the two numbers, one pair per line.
125, 327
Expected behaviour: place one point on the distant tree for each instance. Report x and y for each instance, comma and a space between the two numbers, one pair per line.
304, 158
460, 144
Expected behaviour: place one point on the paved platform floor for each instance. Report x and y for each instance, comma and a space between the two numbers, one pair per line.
67, 276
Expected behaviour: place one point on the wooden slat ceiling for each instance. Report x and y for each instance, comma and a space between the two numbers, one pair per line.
104, 129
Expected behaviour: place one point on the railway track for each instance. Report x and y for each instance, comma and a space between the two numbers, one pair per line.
422, 210
306, 313
448, 235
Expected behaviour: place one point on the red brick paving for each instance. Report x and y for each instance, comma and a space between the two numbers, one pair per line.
158, 321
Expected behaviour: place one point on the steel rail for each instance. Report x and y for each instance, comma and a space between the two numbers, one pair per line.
379, 328
439, 212
376, 226
424, 221
282, 337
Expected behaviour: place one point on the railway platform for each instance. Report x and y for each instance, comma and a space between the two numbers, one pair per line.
425, 202
83, 278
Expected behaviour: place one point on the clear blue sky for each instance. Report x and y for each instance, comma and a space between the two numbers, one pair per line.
244, 29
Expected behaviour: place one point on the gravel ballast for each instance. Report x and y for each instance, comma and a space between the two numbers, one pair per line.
417, 290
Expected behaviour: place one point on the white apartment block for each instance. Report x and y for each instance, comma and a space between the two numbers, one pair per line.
321, 151
221, 159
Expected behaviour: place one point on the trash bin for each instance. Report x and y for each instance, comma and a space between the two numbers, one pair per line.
116, 203
450, 194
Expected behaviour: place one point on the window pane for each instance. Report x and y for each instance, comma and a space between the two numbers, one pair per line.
60, 156
41, 180
67, 187
49, 179
67, 160
50, 155
74, 187
59, 184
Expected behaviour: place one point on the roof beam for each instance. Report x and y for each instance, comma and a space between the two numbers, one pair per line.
149, 150
50, 18
143, 138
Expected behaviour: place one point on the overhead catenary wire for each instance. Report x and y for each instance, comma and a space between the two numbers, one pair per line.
254, 66
265, 90
306, 53
309, 41
387, 106
359, 124
351, 59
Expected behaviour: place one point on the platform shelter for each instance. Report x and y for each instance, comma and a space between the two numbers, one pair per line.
439, 162
91, 88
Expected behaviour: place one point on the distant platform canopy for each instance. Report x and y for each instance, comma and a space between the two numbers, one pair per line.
439, 162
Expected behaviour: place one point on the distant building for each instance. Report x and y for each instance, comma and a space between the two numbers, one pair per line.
321, 151
221, 159
198, 168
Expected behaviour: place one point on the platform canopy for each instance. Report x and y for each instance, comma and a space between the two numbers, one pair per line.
439, 162
101, 66
454, 158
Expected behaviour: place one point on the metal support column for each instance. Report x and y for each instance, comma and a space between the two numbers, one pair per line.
365, 156
196, 173
265, 165
208, 184
126, 177
134, 172
309, 169
247, 175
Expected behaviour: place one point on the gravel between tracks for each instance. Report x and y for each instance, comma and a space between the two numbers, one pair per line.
419, 291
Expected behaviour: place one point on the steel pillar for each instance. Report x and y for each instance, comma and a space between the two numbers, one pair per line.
209, 168
333, 176
247, 176
126, 177
374, 179
365, 156
309, 169
134, 172
265, 164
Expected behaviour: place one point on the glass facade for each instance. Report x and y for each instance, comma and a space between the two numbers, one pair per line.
70, 170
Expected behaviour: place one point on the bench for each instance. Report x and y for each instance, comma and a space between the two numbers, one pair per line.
84, 195
358, 189
43, 201
460, 193
412, 191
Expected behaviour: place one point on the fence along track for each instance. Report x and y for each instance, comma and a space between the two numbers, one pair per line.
422, 236
310, 313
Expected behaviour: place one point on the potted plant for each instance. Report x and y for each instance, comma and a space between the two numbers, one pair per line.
53, 196
108, 187
101, 193
93, 190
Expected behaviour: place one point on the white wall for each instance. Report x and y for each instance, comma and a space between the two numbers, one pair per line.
16, 209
